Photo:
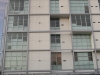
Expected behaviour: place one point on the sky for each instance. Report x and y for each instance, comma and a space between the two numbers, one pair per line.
2, 8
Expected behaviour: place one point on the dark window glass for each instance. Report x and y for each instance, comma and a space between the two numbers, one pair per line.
88, 20
9, 47
90, 58
53, 36
25, 17
89, 54
99, 3
75, 54
19, 37
21, 17
16, 17
57, 36
15, 22
16, 8
73, 16
54, 22
20, 34
53, 41
79, 24
73, 21
83, 24
83, 20
76, 59
78, 16
20, 22
82, 16
21, 8
14, 37
14, 34
78, 20
24, 34
25, 24
88, 16
24, 38
88, 24
57, 40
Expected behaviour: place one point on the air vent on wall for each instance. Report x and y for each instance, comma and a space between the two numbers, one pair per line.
39, 22
62, 24
63, 41
96, 39
93, 22
64, 60
91, 6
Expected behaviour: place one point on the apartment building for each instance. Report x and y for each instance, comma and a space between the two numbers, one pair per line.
51, 37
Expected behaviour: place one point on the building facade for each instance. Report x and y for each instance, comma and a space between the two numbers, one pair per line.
51, 37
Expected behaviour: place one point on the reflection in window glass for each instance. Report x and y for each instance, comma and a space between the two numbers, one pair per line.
17, 23
55, 41
16, 41
83, 60
56, 61
54, 24
19, 6
82, 41
54, 6
79, 6
15, 61
81, 22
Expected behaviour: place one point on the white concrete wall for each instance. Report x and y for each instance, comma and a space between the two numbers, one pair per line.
65, 8
39, 23
35, 64
35, 9
66, 41
97, 36
94, 9
96, 19
39, 41
68, 64
65, 22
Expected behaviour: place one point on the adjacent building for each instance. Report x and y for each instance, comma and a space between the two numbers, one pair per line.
51, 37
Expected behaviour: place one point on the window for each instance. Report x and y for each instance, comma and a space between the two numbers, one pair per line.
83, 60
55, 41
54, 24
81, 22
79, 6
15, 61
19, 6
54, 6
17, 23
56, 61
99, 3
16, 41
82, 41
